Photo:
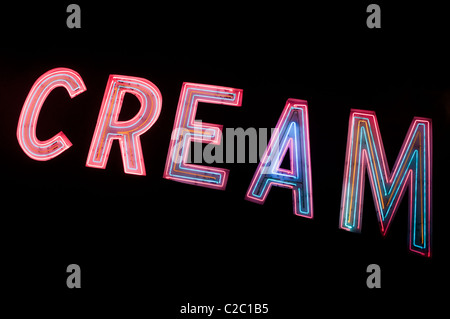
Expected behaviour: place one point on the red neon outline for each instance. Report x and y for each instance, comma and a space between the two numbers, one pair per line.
186, 130
109, 128
26, 127
376, 176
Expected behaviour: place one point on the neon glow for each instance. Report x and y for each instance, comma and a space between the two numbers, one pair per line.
291, 132
128, 132
186, 130
364, 153
26, 128
412, 168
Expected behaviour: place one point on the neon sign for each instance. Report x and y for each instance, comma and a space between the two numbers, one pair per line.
187, 130
110, 128
291, 132
26, 129
365, 150
412, 168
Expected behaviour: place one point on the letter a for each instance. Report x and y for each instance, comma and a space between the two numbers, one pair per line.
374, 19
74, 279
291, 132
74, 19
374, 279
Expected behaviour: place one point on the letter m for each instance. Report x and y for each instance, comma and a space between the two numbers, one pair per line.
412, 171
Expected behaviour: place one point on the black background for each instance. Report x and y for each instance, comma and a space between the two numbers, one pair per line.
147, 245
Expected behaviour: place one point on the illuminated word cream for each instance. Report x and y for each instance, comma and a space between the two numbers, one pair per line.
365, 152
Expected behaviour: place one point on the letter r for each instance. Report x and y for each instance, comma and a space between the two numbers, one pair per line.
109, 127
